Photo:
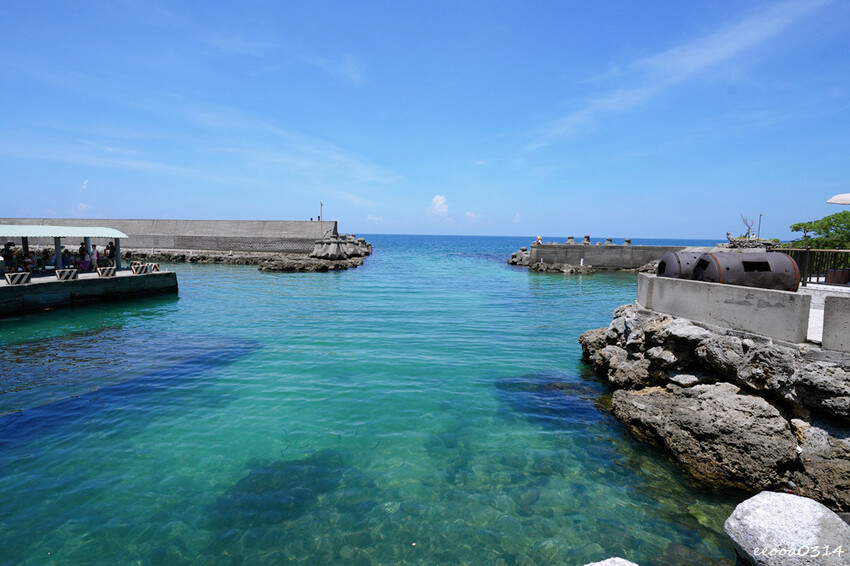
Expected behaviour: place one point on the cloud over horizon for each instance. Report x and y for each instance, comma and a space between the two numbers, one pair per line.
439, 205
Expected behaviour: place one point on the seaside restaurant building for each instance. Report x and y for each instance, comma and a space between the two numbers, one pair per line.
30, 233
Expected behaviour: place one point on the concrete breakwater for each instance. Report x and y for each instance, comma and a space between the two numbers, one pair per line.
600, 256
282, 236
734, 409
328, 254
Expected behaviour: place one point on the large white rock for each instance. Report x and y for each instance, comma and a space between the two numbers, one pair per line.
612, 562
783, 529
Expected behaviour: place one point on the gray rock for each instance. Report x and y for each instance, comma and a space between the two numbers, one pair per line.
767, 366
603, 359
629, 373
776, 523
626, 332
722, 354
592, 341
565, 268
685, 379
682, 330
653, 327
630, 310
825, 456
662, 357
822, 386
612, 562
719, 436
616, 332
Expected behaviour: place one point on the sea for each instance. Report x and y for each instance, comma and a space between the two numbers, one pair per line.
428, 407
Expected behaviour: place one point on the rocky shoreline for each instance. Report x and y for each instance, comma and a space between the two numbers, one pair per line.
735, 410
329, 254
265, 261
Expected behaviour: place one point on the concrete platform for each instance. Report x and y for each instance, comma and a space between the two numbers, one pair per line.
46, 292
819, 293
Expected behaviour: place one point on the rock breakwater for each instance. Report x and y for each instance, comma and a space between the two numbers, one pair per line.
329, 254
522, 258
734, 409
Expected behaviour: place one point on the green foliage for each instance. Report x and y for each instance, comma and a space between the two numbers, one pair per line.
829, 232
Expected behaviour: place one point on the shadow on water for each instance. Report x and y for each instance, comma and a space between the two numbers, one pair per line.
550, 399
296, 508
277, 492
53, 385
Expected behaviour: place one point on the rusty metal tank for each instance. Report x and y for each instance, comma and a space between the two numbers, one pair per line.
769, 270
679, 265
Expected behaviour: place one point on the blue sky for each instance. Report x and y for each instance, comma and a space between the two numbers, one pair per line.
616, 119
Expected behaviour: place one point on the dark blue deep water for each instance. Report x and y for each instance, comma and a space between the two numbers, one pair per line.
429, 407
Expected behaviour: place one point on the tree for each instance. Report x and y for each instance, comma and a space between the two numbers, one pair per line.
748, 222
830, 232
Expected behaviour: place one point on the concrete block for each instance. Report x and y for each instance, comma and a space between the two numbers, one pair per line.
836, 323
776, 314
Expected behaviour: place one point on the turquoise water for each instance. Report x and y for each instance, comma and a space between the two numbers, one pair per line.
429, 407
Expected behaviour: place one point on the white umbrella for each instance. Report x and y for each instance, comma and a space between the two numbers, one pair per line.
840, 199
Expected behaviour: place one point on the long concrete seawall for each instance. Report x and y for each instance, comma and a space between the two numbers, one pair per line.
602, 256
286, 236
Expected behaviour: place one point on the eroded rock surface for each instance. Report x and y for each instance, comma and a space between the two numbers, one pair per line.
718, 434
734, 409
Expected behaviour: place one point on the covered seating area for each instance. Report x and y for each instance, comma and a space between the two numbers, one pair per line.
46, 235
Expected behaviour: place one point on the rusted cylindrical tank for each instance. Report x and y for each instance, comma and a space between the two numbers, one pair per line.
769, 270
677, 264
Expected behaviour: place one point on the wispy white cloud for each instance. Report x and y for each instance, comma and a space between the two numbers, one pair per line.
439, 205
239, 45
81, 210
471, 216
63, 153
649, 76
517, 218
346, 67
352, 198
374, 219
85, 185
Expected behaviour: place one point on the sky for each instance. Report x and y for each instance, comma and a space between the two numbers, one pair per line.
663, 119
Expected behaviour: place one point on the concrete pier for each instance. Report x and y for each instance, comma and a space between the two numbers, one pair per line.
47, 292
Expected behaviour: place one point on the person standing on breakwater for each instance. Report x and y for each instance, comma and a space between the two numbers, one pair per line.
8, 256
85, 260
110, 254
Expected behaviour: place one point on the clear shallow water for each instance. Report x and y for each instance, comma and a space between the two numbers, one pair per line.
428, 407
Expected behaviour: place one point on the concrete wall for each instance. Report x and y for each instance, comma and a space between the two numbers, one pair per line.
19, 299
215, 235
836, 323
601, 257
776, 314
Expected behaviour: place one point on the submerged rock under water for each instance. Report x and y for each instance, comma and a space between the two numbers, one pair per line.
549, 399
279, 491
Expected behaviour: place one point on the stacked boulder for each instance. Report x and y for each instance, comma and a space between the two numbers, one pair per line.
341, 247
734, 409
521, 257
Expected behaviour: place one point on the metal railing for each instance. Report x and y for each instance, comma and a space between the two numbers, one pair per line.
829, 267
